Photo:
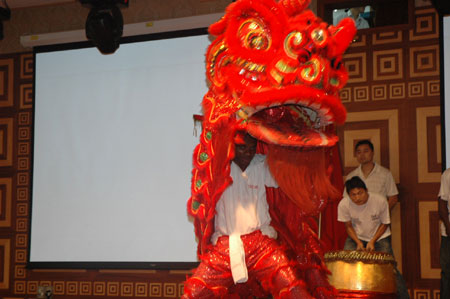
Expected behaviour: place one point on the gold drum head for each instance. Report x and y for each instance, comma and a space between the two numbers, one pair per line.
361, 271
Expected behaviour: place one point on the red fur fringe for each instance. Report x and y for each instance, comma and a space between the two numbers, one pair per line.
302, 175
294, 7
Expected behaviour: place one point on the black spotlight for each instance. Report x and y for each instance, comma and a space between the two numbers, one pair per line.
5, 14
104, 24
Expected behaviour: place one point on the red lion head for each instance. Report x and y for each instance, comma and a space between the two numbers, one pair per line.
282, 66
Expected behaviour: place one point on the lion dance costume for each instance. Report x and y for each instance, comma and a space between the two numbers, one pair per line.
275, 71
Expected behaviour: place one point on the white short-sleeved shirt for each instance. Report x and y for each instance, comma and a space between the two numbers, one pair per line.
379, 180
243, 209
444, 194
366, 218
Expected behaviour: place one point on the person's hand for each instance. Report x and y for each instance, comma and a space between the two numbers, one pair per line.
370, 246
359, 245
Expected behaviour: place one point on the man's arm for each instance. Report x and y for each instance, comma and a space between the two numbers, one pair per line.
352, 234
380, 231
391, 188
392, 201
443, 214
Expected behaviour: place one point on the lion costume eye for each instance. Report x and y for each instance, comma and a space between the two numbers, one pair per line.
319, 37
293, 43
253, 35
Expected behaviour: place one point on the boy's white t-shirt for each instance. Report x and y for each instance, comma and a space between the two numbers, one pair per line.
366, 218
444, 194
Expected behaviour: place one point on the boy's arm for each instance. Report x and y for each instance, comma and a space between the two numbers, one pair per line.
443, 214
380, 231
352, 234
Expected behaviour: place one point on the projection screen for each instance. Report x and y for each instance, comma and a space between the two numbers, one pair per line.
113, 142
445, 86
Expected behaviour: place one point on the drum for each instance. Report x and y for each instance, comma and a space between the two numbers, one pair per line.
362, 274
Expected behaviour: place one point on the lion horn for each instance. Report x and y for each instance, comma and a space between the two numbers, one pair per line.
293, 7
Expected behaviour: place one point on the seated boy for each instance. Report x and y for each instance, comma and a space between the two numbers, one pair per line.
366, 218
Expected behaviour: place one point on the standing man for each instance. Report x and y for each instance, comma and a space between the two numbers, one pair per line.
444, 215
366, 218
377, 178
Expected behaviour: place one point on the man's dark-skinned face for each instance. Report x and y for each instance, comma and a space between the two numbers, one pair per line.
244, 153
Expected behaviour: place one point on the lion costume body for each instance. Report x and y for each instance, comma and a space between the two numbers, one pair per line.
275, 71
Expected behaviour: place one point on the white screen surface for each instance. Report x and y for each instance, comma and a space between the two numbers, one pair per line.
113, 142
446, 70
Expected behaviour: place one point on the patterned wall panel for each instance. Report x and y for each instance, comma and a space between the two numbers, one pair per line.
6, 141
26, 66
361, 93
23, 167
436, 294
5, 202
416, 89
397, 91
346, 94
427, 270
424, 61
6, 82
433, 88
85, 288
126, 283
359, 40
356, 64
26, 95
155, 289
387, 37
388, 64
379, 92
170, 290
425, 25
5, 262
427, 174
422, 294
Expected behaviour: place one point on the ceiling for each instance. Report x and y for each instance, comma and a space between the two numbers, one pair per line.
32, 3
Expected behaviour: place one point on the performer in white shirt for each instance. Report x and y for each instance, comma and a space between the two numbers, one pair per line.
244, 242
366, 218
377, 178
444, 215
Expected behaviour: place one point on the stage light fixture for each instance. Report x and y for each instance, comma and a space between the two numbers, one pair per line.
5, 14
104, 24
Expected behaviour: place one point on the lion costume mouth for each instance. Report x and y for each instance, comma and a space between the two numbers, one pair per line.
296, 118
291, 125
